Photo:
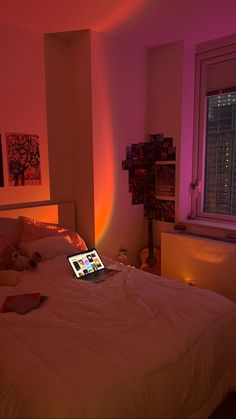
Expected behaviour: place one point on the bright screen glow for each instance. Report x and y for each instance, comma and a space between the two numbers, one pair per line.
85, 263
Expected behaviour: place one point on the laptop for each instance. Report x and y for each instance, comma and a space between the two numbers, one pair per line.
87, 265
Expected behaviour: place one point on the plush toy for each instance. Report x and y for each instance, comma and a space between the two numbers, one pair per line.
12, 262
12, 259
9, 278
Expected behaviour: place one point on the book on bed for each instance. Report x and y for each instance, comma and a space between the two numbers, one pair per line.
22, 303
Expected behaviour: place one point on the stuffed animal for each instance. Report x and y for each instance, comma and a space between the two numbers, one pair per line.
9, 278
12, 262
11, 259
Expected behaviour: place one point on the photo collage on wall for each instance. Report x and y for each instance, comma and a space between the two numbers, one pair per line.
23, 160
147, 179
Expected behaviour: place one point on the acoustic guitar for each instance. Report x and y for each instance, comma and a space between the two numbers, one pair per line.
150, 256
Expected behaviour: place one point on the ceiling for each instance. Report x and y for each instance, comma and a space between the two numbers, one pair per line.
145, 22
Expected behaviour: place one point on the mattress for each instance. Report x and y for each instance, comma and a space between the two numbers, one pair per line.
133, 346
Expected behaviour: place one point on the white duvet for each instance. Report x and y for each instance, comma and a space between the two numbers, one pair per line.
135, 345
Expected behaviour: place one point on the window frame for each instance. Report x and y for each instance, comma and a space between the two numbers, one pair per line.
203, 61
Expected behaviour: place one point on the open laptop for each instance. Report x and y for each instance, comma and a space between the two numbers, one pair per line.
88, 265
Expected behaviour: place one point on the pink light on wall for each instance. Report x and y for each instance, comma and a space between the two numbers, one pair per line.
22, 83
67, 15
122, 12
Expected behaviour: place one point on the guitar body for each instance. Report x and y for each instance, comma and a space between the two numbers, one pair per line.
146, 261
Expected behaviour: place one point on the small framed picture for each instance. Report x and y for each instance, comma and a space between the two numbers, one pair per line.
23, 159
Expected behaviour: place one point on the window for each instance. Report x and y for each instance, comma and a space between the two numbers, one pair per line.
214, 175
220, 155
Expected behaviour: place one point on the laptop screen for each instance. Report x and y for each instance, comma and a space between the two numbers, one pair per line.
85, 263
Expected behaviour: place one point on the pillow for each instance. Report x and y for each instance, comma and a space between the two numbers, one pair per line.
49, 247
5, 244
32, 230
9, 228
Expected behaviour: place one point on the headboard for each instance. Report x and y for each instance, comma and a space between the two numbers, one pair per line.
62, 214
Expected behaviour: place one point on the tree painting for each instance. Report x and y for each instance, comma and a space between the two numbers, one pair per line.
23, 159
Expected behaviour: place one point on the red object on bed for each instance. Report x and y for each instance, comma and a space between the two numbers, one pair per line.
22, 303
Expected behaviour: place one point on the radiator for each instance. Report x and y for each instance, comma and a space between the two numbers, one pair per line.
199, 261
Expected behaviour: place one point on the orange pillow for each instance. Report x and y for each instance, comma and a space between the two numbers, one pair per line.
33, 230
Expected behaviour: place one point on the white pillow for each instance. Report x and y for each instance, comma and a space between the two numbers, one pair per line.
49, 247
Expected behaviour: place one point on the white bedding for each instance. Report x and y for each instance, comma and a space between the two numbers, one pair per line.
134, 345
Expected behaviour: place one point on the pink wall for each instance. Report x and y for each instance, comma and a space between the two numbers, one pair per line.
96, 90
164, 101
22, 87
119, 100
164, 93
57, 73
102, 94
81, 132
69, 103
184, 177
170, 109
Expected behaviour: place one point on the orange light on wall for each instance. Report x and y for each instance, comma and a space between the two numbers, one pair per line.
104, 184
44, 213
103, 148
208, 253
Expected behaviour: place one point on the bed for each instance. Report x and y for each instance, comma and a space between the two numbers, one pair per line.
133, 346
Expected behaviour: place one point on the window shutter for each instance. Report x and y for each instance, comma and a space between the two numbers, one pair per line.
221, 75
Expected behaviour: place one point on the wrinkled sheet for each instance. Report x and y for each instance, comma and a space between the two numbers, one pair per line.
135, 345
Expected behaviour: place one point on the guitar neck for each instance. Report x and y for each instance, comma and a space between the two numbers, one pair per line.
150, 239
148, 255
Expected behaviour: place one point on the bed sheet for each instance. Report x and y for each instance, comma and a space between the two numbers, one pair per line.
135, 345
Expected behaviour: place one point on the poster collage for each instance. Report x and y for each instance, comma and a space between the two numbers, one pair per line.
152, 176
23, 160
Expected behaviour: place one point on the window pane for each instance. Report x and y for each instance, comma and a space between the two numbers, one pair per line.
220, 162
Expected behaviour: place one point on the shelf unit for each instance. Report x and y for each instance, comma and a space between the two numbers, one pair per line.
165, 189
151, 167
165, 180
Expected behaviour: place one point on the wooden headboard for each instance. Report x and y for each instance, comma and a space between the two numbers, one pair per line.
62, 214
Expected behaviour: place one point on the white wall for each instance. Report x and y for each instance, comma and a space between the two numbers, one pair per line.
164, 95
96, 106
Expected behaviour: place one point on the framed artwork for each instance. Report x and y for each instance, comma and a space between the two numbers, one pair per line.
23, 159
